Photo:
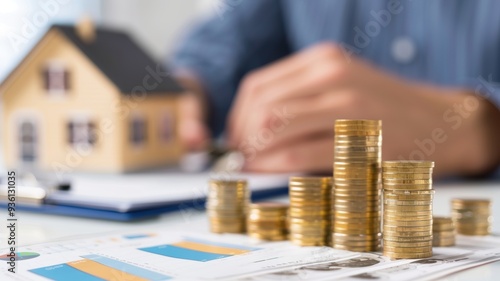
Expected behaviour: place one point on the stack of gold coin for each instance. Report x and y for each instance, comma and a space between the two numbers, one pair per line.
408, 198
443, 232
310, 204
472, 216
227, 204
356, 173
268, 221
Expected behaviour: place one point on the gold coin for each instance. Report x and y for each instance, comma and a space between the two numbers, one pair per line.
361, 149
407, 233
392, 181
373, 240
357, 194
359, 237
368, 248
408, 198
395, 202
362, 214
355, 132
440, 237
341, 180
325, 180
391, 228
397, 218
343, 200
407, 208
356, 231
396, 213
440, 228
406, 176
400, 171
409, 192
357, 153
408, 164
268, 238
408, 223
408, 244
356, 175
364, 222
350, 139
443, 241
410, 239
375, 166
407, 255
269, 206
401, 187
467, 202
357, 122
422, 249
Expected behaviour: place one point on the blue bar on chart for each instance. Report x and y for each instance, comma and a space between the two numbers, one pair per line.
97, 268
64, 272
198, 250
220, 244
183, 253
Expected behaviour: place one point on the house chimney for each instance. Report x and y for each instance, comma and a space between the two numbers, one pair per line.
86, 30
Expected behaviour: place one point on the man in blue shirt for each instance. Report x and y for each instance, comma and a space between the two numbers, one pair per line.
275, 74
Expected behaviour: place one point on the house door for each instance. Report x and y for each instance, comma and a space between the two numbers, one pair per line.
28, 139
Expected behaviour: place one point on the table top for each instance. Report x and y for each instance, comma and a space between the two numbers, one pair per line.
37, 228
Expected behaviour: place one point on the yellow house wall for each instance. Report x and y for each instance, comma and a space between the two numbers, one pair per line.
91, 94
154, 151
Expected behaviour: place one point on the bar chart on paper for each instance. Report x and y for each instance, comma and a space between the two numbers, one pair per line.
93, 267
97, 267
157, 256
198, 250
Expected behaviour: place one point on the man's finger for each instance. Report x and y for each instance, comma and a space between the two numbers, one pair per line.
307, 155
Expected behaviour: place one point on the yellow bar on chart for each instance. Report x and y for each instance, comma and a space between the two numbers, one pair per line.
209, 248
103, 271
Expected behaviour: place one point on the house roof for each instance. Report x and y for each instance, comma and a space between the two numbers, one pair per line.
121, 60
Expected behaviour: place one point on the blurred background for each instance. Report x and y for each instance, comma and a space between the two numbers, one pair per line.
154, 24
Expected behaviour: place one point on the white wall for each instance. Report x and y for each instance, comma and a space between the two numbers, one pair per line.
155, 24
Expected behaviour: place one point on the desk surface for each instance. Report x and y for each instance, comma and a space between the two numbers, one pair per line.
36, 228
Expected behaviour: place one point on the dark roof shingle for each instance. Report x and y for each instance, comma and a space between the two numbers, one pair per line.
121, 60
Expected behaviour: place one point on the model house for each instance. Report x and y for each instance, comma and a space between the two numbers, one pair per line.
87, 99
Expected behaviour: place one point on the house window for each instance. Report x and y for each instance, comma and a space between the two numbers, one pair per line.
56, 78
82, 133
138, 130
28, 141
166, 130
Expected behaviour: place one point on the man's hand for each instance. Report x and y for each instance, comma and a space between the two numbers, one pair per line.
193, 131
283, 116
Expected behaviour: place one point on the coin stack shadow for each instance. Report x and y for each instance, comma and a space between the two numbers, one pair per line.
408, 194
443, 232
472, 216
227, 204
268, 221
309, 213
357, 190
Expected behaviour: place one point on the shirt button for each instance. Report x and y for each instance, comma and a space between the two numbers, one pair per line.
403, 50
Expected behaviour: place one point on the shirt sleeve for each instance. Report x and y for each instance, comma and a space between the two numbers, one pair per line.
241, 35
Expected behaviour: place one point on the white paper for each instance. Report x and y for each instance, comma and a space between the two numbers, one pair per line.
138, 191
158, 256
134, 254
469, 252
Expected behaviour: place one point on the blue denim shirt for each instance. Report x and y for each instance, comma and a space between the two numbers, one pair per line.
445, 42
